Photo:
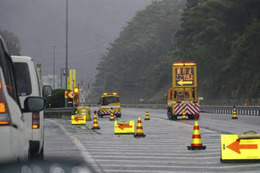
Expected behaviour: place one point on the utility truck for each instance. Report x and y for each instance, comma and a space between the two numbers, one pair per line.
182, 96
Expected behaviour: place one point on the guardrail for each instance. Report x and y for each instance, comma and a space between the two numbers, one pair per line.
58, 112
241, 110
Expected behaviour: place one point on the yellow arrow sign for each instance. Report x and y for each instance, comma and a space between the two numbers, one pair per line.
75, 119
233, 148
124, 127
181, 82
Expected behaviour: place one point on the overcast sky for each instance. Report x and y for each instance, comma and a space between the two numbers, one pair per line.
93, 24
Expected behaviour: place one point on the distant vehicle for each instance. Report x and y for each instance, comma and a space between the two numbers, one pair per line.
29, 84
14, 145
109, 102
182, 97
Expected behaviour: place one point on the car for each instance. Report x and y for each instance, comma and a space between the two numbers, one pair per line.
29, 84
14, 145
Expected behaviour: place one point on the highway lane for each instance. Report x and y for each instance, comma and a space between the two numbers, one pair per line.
164, 149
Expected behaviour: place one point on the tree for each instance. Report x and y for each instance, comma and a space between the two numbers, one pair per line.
12, 42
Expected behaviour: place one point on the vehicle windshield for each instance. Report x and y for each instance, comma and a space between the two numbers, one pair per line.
23, 79
109, 100
182, 96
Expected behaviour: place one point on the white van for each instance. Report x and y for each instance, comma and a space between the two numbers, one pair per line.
28, 84
13, 142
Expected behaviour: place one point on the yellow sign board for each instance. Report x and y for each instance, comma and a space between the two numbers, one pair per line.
75, 119
68, 94
235, 149
71, 81
184, 75
124, 127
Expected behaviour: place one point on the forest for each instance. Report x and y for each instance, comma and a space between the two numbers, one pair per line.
221, 36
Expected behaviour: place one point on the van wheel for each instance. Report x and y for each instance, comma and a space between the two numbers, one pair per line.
33, 150
41, 155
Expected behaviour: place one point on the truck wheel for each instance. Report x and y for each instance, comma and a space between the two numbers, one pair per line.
169, 114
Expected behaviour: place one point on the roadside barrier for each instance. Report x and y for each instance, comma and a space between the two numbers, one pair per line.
241, 110
196, 143
183, 115
112, 117
234, 116
95, 123
139, 129
147, 115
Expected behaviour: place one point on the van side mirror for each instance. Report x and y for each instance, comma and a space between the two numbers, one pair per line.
46, 91
34, 104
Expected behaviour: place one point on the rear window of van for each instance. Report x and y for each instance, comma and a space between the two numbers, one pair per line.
23, 79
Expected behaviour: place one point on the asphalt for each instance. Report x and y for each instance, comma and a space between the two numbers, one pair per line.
164, 149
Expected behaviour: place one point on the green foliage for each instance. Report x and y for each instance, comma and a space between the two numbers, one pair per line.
132, 62
221, 36
57, 99
12, 42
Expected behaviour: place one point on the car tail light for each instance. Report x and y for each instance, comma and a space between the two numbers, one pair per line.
35, 120
4, 113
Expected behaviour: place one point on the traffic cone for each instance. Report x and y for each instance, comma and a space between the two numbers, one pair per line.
196, 143
139, 129
184, 115
111, 117
95, 123
146, 115
234, 113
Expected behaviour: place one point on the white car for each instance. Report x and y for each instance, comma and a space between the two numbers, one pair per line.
14, 145
29, 84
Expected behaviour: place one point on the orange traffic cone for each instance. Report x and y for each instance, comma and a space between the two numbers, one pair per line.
196, 143
184, 115
234, 113
146, 115
95, 123
139, 129
112, 117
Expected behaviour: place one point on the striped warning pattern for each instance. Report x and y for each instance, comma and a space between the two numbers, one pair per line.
95, 123
190, 108
196, 138
109, 112
139, 129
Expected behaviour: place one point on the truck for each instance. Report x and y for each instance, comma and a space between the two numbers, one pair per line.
182, 96
109, 103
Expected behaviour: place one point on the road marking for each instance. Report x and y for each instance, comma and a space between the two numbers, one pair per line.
83, 151
186, 166
151, 161
152, 157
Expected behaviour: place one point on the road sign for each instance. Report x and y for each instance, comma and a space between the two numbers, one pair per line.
184, 75
68, 94
71, 81
235, 149
124, 127
75, 119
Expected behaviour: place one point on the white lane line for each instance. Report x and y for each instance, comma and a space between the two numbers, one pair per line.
186, 166
83, 151
152, 157
143, 171
152, 154
150, 161
191, 126
144, 150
